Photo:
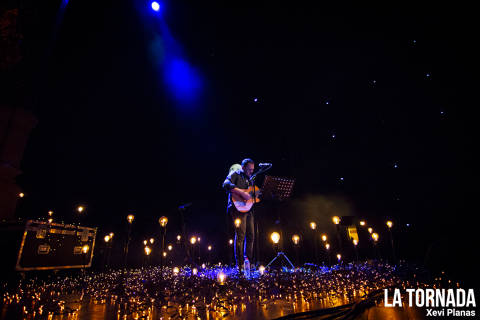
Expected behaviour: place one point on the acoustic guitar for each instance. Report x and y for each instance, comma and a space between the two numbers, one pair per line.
245, 206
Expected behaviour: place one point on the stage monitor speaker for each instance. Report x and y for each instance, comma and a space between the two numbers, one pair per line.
40, 245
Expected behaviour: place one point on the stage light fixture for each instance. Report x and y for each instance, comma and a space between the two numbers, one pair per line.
155, 6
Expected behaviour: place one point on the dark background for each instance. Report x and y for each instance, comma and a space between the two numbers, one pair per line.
343, 92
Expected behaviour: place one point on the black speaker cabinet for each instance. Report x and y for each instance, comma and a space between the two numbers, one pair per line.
39, 245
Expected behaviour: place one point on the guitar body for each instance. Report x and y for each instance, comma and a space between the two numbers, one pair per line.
245, 206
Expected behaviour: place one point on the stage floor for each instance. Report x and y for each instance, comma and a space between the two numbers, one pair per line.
213, 292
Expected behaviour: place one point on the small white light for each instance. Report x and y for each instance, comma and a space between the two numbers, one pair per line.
261, 269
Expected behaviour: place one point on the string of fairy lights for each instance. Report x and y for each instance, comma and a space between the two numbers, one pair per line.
208, 290
212, 291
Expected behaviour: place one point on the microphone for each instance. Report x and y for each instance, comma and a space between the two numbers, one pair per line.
264, 164
183, 207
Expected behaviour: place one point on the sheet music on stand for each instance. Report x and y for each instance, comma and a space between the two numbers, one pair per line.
277, 188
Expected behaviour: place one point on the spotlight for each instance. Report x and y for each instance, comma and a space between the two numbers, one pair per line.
155, 6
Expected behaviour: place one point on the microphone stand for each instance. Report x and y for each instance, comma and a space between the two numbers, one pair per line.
252, 179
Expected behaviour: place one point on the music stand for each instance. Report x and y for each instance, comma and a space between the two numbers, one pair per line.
276, 188
279, 189
280, 254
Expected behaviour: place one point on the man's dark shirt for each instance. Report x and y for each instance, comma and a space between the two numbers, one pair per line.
237, 179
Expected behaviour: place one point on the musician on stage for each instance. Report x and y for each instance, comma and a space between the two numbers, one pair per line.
235, 181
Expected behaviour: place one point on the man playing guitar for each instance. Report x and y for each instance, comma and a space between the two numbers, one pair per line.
241, 198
